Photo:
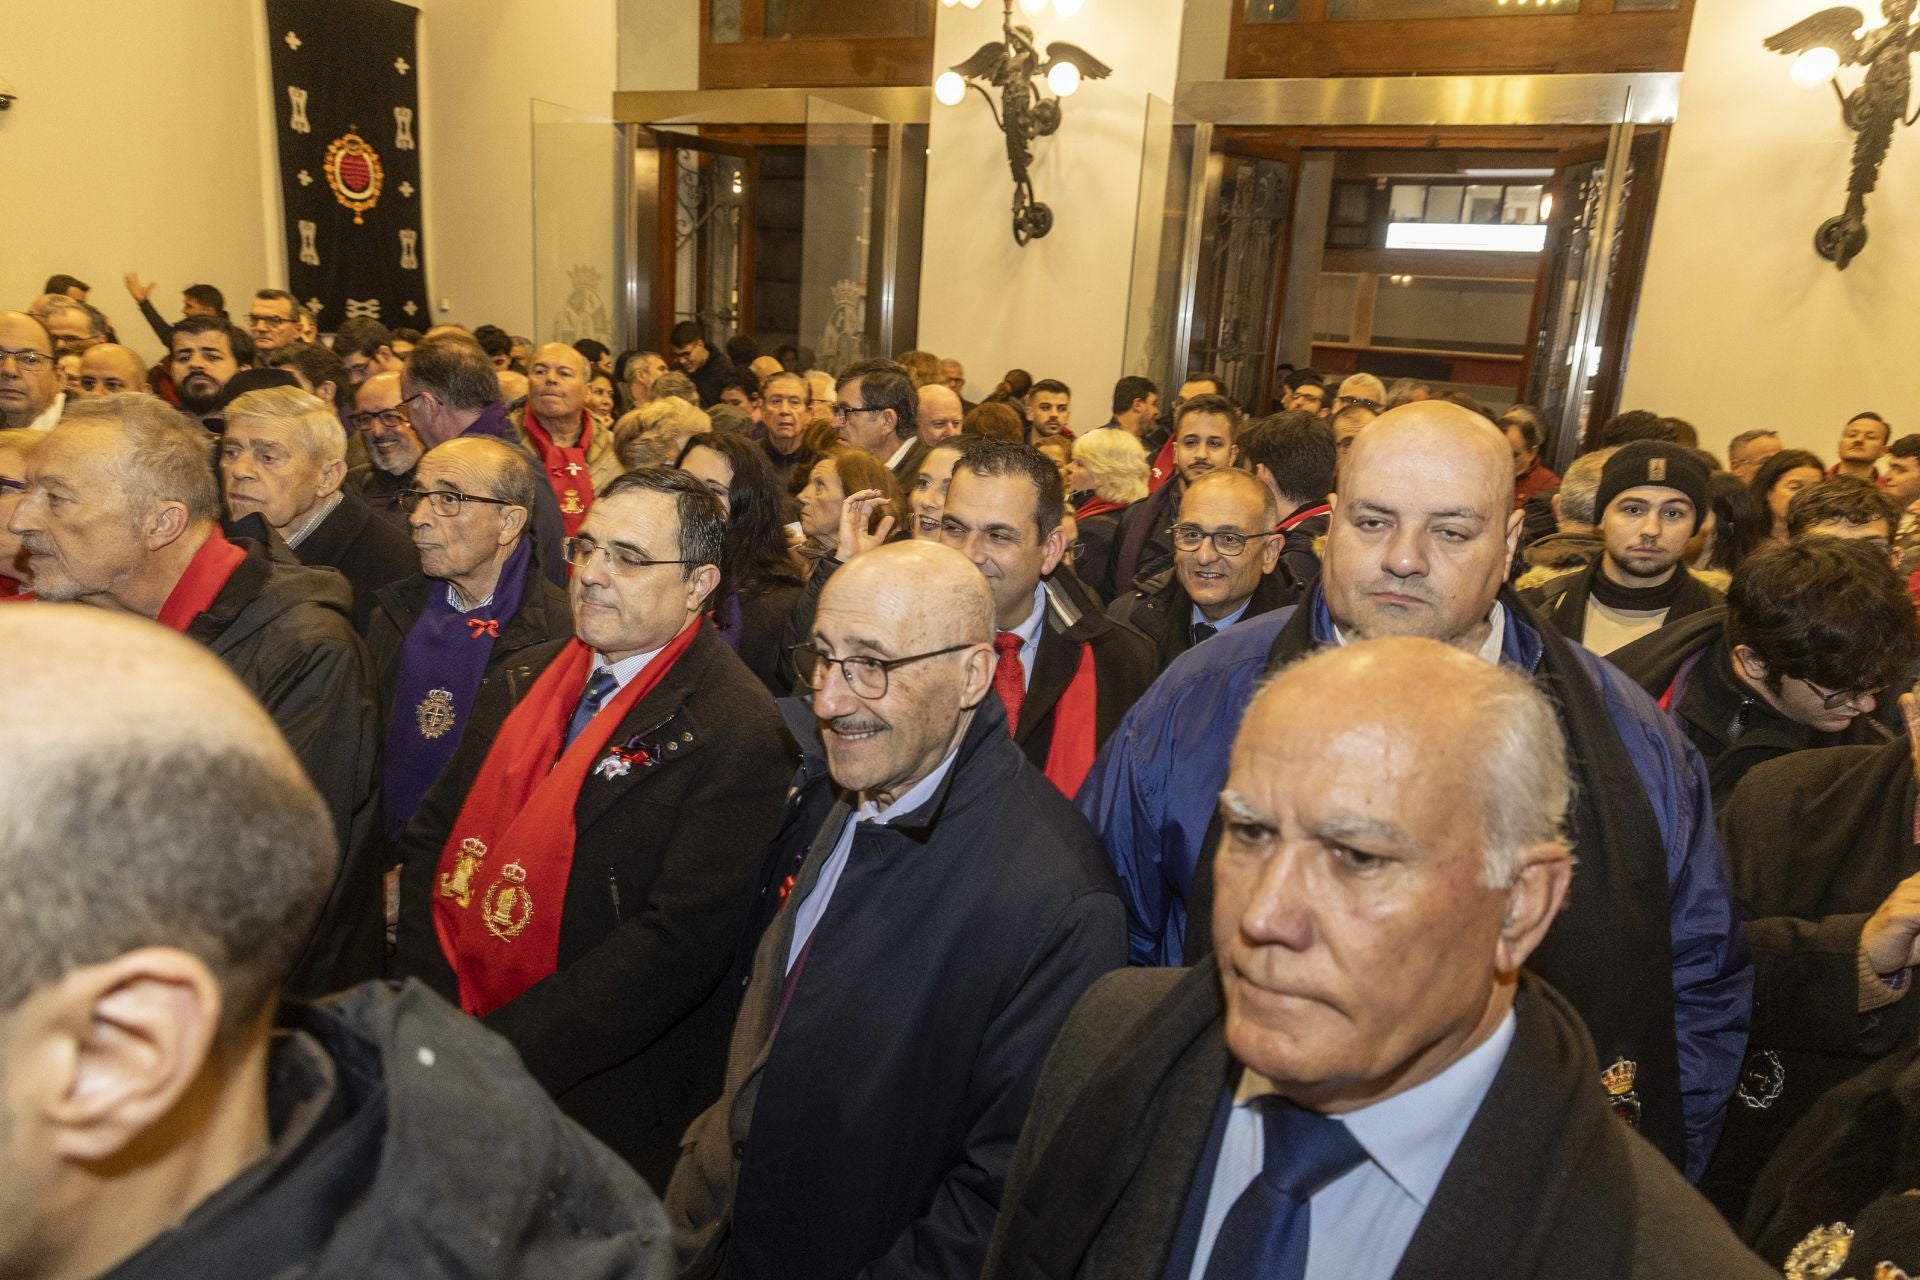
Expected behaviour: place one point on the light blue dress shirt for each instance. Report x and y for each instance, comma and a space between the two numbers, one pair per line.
807, 913
1029, 633
1195, 617
1363, 1220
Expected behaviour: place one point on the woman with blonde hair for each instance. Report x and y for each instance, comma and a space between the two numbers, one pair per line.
1108, 474
655, 434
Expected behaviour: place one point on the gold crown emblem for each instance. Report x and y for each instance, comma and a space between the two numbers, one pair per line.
1618, 1078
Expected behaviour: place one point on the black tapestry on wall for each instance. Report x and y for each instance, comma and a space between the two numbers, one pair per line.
346, 109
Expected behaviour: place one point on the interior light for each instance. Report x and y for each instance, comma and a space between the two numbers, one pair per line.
949, 88
948, 4
971, 4
1814, 67
1033, 7
1546, 206
1484, 237
1064, 79
1067, 8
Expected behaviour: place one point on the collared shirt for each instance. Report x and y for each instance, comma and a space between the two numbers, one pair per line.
453, 603
316, 519
806, 916
1029, 633
50, 416
625, 669
1363, 1220
1195, 617
1490, 651
901, 453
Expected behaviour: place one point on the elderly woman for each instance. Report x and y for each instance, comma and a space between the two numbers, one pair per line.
655, 434
1108, 474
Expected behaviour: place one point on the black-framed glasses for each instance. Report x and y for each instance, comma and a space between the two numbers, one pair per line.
1228, 542
867, 677
9, 487
275, 321
29, 361
1839, 697
841, 412
392, 419
443, 502
621, 560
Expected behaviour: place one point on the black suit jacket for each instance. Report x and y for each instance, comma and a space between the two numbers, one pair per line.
1163, 612
630, 1033
1545, 1182
369, 552
1124, 664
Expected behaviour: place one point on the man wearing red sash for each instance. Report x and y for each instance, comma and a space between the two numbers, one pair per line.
577, 457
1065, 672
580, 875
122, 512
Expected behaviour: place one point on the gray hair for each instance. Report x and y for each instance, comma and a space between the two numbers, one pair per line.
673, 385
1118, 461
312, 426
654, 434
1748, 437
165, 455
1580, 487
96, 320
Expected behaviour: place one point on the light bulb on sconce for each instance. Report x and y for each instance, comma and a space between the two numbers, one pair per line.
1063, 78
1033, 7
949, 88
1814, 67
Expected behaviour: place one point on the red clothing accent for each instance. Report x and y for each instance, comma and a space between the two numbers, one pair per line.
1162, 469
1302, 515
1537, 481
1097, 506
515, 832
206, 573
1009, 677
12, 592
1070, 754
483, 627
566, 468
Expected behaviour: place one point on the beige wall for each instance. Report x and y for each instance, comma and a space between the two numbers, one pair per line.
1058, 306
483, 64
137, 145
1741, 324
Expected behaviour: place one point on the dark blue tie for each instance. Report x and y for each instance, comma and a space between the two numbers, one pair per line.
600, 687
1204, 631
1264, 1235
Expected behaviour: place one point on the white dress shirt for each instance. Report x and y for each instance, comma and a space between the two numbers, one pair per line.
1489, 650
1361, 1221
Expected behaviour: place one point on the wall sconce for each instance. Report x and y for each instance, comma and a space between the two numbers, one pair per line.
1825, 43
1013, 66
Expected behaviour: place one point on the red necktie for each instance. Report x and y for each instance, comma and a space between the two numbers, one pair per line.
1009, 678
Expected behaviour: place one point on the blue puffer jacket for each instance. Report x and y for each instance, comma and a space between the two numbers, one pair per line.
1153, 791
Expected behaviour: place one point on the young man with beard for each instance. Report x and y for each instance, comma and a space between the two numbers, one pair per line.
1811, 632
1652, 498
206, 351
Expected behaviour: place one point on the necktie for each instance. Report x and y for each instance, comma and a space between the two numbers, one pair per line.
1265, 1232
600, 687
1204, 631
1009, 677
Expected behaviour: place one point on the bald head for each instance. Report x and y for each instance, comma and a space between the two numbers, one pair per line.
25, 393
1423, 527
1235, 486
110, 370
887, 727
557, 390
940, 414
149, 801
764, 367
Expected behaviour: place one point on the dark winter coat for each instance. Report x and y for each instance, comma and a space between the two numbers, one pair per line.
1163, 612
369, 552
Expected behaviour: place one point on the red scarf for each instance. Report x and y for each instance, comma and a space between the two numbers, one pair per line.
1075, 732
566, 468
206, 573
12, 592
1302, 515
504, 868
1097, 506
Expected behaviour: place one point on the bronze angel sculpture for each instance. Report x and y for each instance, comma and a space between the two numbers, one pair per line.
1014, 67
1871, 111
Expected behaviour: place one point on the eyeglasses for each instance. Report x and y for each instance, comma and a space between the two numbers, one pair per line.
9, 486
841, 412
1347, 402
1228, 542
443, 502
623, 563
1840, 697
275, 321
867, 677
29, 361
392, 419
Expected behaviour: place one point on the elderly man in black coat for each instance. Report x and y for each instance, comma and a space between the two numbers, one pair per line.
580, 875
1364, 1082
122, 511
953, 908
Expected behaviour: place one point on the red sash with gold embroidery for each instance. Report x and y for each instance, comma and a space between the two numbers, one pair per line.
504, 868
198, 587
1075, 731
566, 468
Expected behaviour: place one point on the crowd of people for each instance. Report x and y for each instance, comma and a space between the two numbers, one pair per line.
693, 813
